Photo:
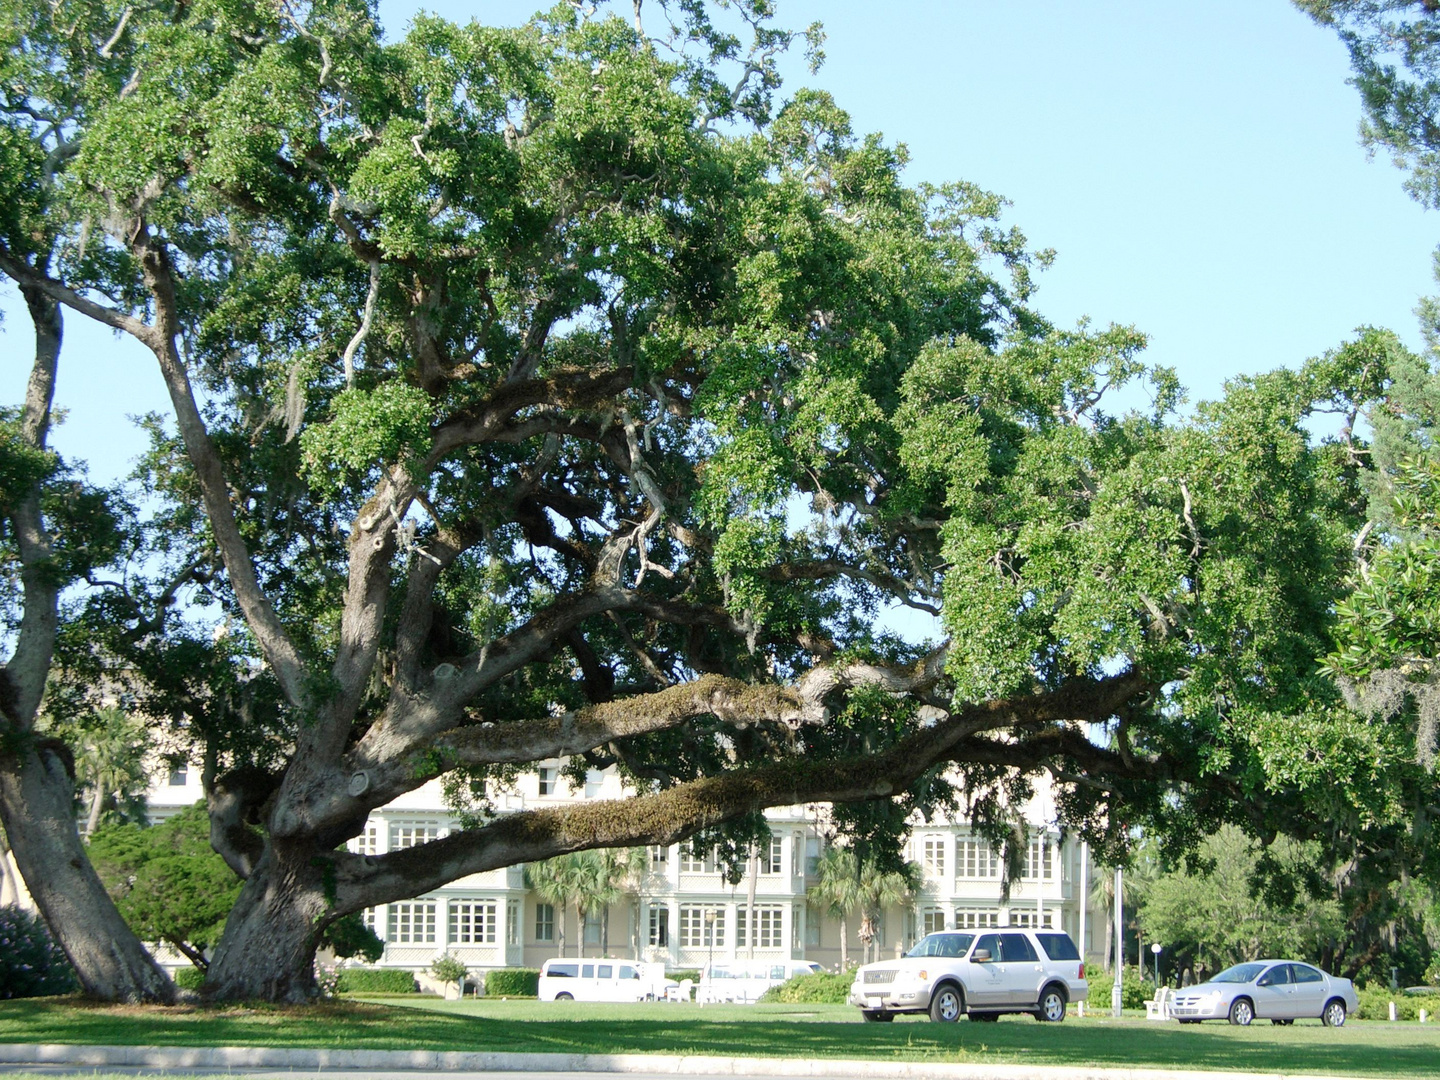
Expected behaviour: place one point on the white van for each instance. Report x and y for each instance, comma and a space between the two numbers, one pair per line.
743, 981
601, 980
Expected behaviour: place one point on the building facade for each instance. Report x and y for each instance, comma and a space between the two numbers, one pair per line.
680, 911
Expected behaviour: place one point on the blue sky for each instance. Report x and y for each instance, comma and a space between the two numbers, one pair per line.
1195, 166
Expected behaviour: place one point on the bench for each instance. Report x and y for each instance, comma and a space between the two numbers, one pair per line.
1158, 1008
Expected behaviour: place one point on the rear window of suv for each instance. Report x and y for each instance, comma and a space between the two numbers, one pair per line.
1058, 946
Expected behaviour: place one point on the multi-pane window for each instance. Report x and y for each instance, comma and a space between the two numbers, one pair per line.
932, 856
659, 926
932, 920
659, 857
368, 842
412, 923
368, 918
812, 855
812, 927
773, 859
593, 779
1028, 917
973, 918
512, 923
179, 774
591, 929
696, 862
696, 930
544, 922
405, 834
472, 922
547, 779
769, 923
975, 859
1037, 860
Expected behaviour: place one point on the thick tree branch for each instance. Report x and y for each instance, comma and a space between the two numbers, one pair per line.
28, 276
672, 815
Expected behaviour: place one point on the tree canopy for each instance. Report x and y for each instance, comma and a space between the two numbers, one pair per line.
561, 391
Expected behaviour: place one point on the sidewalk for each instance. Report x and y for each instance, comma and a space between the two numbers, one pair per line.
239, 1058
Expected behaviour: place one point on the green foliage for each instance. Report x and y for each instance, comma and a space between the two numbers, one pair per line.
1375, 1004
369, 430
31, 964
375, 981
818, 989
1134, 992
349, 936
512, 982
167, 881
190, 978
448, 969
1240, 902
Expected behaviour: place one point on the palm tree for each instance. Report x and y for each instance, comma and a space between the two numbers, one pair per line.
111, 762
837, 891
557, 882
612, 873
881, 889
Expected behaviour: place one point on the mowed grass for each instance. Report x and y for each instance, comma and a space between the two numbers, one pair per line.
797, 1031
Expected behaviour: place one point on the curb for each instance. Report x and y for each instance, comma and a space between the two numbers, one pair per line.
256, 1057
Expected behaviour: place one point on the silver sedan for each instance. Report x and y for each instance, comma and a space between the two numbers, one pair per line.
1281, 991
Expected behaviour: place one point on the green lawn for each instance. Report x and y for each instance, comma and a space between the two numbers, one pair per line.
1359, 1049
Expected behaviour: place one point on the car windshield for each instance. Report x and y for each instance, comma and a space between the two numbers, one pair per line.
942, 945
1240, 973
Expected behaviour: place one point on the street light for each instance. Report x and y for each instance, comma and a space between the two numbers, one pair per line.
710, 916
1155, 948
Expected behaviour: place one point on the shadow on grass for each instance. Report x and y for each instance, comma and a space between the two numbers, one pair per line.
1380, 1050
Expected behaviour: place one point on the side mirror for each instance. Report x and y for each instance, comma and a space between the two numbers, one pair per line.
980, 956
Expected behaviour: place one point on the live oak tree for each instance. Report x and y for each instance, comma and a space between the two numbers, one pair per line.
56, 528
559, 392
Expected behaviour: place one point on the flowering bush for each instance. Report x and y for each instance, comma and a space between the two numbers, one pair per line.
31, 965
327, 979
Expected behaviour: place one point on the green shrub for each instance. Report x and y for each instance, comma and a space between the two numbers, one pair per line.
693, 974
1133, 992
512, 982
1375, 1004
31, 965
189, 978
821, 989
375, 981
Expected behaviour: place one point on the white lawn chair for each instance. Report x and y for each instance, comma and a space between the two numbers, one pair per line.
1159, 1007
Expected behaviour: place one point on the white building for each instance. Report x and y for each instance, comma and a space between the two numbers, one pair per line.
684, 913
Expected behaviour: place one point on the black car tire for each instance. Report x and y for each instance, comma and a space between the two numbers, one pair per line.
1052, 1005
876, 1016
564, 997
1334, 1014
946, 1004
1242, 1012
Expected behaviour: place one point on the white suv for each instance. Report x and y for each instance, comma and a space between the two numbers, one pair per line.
983, 974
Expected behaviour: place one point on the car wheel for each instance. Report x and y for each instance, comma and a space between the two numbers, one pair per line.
564, 997
1334, 1014
1052, 1005
876, 1016
946, 1005
1242, 1012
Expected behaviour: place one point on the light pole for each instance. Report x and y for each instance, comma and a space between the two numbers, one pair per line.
710, 916
1155, 948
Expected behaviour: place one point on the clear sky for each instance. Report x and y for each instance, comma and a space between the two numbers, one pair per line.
1195, 166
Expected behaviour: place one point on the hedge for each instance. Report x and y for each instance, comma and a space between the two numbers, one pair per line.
819, 989
693, 974
1133, 992
189, 978
512, 982
375, 981
1375, 1004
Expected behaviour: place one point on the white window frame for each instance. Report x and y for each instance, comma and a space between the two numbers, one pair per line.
769, 926
473, 920
932, 856
695, 931
412, 922
406, 834
659, 933
544, 921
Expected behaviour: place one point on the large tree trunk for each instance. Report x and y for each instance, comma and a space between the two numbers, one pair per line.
36, 796
267, 952
37, 789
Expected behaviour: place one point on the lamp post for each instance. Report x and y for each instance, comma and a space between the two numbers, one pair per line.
1155, 948
710, 916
